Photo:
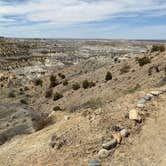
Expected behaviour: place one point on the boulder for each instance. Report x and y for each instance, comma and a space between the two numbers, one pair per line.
124, 133
141, 103
110, 144
103, 153
134, 115
148, 97
94, 163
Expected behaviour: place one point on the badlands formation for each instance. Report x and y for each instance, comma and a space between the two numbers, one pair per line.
82, 102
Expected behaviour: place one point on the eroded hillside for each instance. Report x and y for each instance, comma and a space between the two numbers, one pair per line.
92, 103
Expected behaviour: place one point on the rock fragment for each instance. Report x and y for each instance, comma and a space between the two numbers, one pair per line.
141, 103
110, 144
148, 97
103, 153
94, 163
124, 133
134, 115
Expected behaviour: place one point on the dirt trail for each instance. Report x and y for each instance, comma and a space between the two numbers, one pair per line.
148, 148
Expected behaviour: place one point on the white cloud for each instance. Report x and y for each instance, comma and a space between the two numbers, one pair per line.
74, 11
70, 18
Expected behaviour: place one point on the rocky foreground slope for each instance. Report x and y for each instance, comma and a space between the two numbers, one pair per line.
97, 112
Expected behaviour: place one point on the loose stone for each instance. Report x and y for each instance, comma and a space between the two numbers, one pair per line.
124, 133
103, 153
134, 115
110, 144
94, 163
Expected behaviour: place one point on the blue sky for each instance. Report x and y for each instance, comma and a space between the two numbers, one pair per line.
112, 19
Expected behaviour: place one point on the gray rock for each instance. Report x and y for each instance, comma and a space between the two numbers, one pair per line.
141, 101
115, 128
124, 133
94, 163
103, 153
148, 97
110, 144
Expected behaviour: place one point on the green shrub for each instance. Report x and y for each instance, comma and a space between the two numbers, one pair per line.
143, 61
125, 69
86, 84
38, 82
57, 108
76, 86
53, 81
160, 48
52, 78
23, 101
108, 76
21, 91
61, 75
12, 94
57, 96
48, 93
65, 83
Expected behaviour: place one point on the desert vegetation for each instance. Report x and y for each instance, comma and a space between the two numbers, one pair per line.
88, 84
108, 76
38, 82
76, 86
160, 48
143, 61
57, 96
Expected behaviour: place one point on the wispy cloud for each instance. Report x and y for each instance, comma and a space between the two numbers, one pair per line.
68, 13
